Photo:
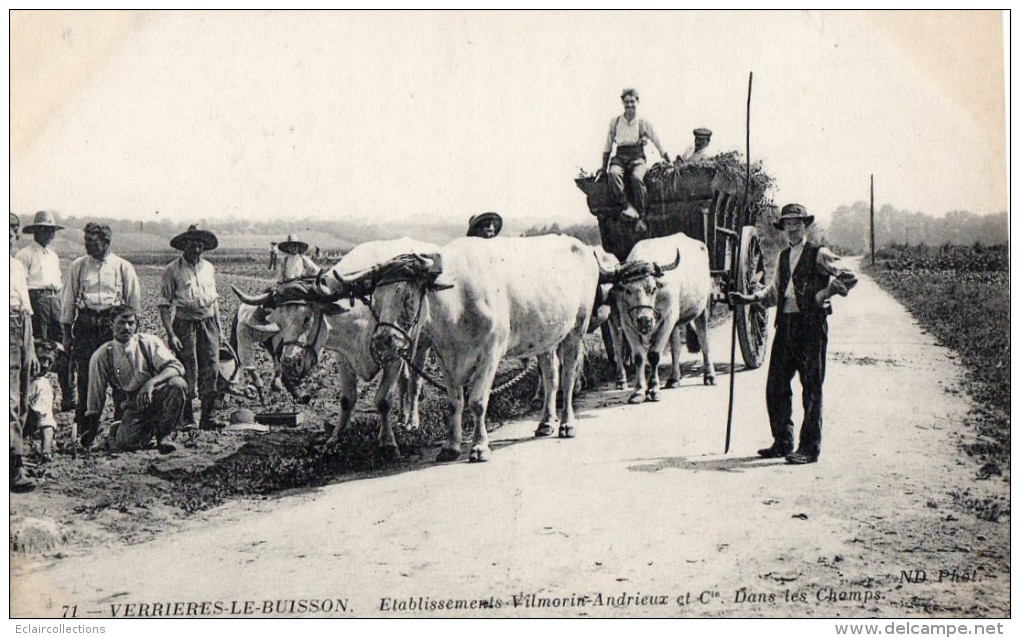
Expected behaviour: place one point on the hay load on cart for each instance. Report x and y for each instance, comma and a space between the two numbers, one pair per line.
702, 200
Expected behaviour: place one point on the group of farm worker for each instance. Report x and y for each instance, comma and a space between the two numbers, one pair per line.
84, 327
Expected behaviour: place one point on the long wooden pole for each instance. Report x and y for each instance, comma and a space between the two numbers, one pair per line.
735, 256
872, 220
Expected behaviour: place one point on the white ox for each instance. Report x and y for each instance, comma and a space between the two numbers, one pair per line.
312, 315
244, 336
479, 300
664, 284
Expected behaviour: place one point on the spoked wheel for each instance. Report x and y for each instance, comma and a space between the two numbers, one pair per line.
752, 319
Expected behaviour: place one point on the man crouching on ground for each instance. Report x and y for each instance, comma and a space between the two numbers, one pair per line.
145, 369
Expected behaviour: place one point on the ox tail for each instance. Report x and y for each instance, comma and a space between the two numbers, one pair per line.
693, 344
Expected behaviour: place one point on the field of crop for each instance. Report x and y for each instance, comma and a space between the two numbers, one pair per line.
961, 295
133, 495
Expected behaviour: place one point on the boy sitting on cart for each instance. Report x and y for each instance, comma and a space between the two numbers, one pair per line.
630, 134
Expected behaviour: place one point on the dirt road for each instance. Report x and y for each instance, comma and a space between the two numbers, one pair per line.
640, 515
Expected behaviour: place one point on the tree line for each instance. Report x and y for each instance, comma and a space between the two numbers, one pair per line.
849, 229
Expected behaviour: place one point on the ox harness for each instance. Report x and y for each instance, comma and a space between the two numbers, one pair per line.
411, 269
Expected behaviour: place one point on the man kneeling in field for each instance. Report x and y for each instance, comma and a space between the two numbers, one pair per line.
146, 371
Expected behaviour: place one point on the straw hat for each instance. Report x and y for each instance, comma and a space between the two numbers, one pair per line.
244, 419
292, 240
43, 219
208, 240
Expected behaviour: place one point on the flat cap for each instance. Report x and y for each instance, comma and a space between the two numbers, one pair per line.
702, 132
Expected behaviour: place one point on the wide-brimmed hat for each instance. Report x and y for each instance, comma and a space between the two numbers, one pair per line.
793, 211
43, 219
205, 237
292, 240
477, 221
244, 419
702, 132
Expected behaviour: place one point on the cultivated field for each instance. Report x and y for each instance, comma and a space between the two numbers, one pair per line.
132, 496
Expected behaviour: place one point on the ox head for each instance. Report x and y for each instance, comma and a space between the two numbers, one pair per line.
300, 308
636, 284
398, 288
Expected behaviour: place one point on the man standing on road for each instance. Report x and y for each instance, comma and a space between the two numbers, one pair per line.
22, 355
43, 267
486, 225
189, 308
143, 370
96, 284
630, 134
806, 276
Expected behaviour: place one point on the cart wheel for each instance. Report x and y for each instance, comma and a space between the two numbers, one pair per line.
752, 319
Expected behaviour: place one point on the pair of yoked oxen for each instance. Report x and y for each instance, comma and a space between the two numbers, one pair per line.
473, 302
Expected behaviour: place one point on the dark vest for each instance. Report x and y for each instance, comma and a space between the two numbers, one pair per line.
807, 282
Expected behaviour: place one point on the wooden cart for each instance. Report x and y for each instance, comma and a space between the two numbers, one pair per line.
701, 201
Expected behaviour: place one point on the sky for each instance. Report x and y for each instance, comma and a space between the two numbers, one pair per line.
441, 115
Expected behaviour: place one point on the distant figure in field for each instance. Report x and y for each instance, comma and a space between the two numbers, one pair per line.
294, 263
273, 255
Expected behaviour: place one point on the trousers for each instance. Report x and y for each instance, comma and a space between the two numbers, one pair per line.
46, 307
19, 372
162, 417
798, 349
200, 354
629, 163
90, 330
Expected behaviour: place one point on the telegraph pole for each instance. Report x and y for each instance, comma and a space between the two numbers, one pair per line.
872, 220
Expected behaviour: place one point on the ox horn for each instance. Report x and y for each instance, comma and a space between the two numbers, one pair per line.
673, 266
251, 300
606, 275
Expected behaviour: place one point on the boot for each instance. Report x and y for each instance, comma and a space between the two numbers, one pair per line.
189, 415
208, 420
20, 481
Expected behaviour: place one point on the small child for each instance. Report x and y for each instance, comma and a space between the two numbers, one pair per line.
40, 398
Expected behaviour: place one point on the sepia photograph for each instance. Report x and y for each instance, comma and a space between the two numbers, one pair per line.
568, 314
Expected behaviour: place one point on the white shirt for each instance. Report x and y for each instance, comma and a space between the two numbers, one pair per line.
626, 133
42, 266
789, 295
19, 287
191, 290
40, 401
99, 285
290, 267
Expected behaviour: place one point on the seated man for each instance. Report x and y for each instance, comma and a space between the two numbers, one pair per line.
696, 153
630, 133
146, 371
